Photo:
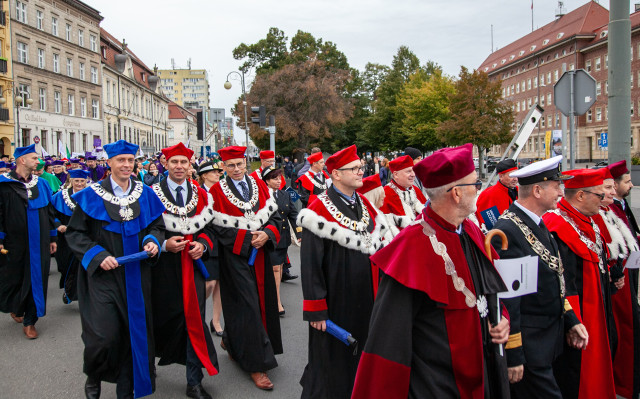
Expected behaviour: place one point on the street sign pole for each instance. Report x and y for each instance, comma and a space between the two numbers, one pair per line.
572, 129
563, 126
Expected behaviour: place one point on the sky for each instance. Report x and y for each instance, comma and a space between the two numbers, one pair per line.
452, 33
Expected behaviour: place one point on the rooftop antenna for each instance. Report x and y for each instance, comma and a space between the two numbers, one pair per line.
560, 11
492, 38
531, 15
189, 63
173, 63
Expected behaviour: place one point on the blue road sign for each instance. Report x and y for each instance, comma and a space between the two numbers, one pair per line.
604, 140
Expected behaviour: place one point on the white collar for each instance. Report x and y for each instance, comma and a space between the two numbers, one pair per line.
117, 190
536, 219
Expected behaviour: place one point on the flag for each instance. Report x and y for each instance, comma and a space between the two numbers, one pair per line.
61, 151
68, 153
44, 153
141, 152
188, 141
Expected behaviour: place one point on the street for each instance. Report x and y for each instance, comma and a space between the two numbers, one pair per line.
51, 366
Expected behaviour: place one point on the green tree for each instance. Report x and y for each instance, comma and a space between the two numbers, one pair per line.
266, 55
479, 114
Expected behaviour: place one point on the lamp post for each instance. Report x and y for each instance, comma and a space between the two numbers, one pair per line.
227, 85
18, 100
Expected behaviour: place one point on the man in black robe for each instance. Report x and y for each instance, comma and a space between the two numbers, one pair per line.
179, 297
434, 329
116, 217
247, 225
28, 233
341, 229
538, 320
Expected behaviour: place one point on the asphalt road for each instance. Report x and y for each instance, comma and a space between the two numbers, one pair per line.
51, 366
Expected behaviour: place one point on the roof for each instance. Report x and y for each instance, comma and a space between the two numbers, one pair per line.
602, 33
584, 20
178, 112
114, 46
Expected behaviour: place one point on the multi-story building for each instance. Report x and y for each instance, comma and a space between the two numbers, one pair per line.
7, 121
56, 65
135, 108
189, 88
183, 127
530, 66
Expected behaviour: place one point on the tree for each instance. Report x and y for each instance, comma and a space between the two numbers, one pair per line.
266, 55
479, 114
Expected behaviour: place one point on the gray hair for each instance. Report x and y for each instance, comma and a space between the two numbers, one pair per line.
436, 193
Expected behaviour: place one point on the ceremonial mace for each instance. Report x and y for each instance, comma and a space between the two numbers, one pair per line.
487, 248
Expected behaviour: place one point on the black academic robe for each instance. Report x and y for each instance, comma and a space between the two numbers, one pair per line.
249, 300
169, 316
67, 262
27, 228
339, 284
107, 313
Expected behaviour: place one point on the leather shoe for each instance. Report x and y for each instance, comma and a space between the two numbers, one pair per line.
214, 331
197, 392
92, 389
262, 381
17, 319
30, 332
286, 276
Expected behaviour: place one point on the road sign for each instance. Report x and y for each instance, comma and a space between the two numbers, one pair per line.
36, 139
584, 92
604, 140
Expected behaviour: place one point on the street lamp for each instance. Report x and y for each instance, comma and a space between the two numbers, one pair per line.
18, 100
227, 85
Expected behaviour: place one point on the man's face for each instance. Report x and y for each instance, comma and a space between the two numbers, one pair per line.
163, 160
38, 172
469, 194
624, 186
609, 192
348, 178
78, 184
404, 177
91, 163
121, 166
591, 201
509, 181
265, 163
57, 169
178, 167
418, 159
236, 168
550, 193
31, 161
317, 166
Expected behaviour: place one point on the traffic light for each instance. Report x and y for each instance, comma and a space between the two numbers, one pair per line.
259, 116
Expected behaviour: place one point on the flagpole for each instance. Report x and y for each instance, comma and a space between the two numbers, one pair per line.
531, 15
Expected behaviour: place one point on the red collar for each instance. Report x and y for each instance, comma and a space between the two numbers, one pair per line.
431, 214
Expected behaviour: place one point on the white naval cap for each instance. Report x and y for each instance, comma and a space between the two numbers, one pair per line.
548, 169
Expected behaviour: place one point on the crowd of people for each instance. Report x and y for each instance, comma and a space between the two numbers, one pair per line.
401, 294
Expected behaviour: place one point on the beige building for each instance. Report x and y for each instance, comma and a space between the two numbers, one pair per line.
183, 127
189, 88
7, 108
56, 64
135, 108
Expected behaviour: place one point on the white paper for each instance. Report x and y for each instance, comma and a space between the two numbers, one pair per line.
633, 261
520, 275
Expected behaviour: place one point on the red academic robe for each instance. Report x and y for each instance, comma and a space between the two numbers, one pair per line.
308, 190
496, 195
401, 214
257, 174
589, 372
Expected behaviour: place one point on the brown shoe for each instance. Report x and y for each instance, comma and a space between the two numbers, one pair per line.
16, 318
30, 332
262, 381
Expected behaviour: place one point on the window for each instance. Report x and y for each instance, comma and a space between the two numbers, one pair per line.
81, 71
548, 78
80, 38
542, 122
25, 92
22, 53
517, 88
69, 67
589, 116
555, 75
41, 58
632, 108
572, 67
597, 63
68, 32
522, 87
114, 91
94, 75
95, 109
606, 61
587, 65
518, 106
542, 100
56, 63
83, 107
42, 98
598, 89
606, 87
549, 121
71, 104
93, 41
598, 114
57, 105
54, 26
535, 82
606, 112
557, 119
631, 53
549, 99
21, 12
39, 20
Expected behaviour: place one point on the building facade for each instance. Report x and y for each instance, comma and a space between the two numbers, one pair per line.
56, 64
7, 108
134, 107
183, 127
529, 67
189, 88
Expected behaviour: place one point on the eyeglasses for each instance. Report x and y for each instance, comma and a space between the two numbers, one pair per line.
601, 196
235, 165
355, 169
478, 185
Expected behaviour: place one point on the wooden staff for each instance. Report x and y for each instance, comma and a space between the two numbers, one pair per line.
4, 251
489, 236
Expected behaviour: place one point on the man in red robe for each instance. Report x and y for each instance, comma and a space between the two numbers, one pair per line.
267, 158
403, 200
585, 373
315, 181
500, 195
435, 327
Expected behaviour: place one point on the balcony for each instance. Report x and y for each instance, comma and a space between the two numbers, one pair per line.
4, 114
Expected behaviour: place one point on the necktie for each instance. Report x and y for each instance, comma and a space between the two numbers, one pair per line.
179, 199
245, 190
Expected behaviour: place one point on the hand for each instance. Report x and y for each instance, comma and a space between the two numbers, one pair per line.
62, 229
319, 325
176, 244
259, 239
197, 249
619, 283
109, 263
578, 337
53, 247
152, 248
515, 373
500, 333
299, 240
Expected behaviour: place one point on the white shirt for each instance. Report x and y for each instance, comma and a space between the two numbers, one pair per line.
536, 219
117, 190
237, 183
173, 186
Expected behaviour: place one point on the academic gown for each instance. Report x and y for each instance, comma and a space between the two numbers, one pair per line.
497, 195
27, 228
399, 212
67, 262
308, 190
252, 326
62, 177
289, 214
425, 341
54, 182
96, 174
175, 278
338, 283
583, 373
115, 305
539, 320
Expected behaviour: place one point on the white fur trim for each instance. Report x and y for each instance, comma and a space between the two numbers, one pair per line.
397, 222
347, 238
174, 223
622, 240
242, 223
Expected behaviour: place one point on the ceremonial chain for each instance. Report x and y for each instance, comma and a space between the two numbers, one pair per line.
321, 186
181, 211
359, 226
126, 213
458, 283
414, 204
554, 262
67, 199
28, 185
594, 247
247, 207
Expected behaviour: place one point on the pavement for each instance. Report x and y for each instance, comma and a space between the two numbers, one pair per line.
51, 366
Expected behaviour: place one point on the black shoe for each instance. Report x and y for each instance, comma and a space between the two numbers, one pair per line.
286, 276
65, 299
92, 388
281, 313
213, 329
197, 392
